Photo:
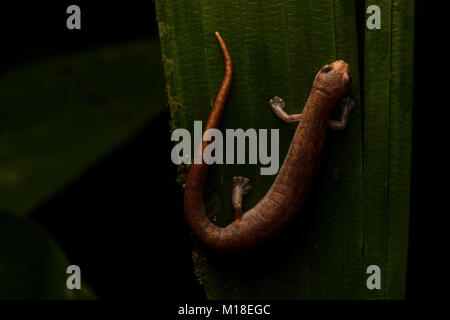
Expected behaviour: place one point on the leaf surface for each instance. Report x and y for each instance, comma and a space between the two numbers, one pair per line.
388, 85
277, 47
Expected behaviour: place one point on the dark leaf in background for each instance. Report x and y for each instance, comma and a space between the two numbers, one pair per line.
31, 264
58, 117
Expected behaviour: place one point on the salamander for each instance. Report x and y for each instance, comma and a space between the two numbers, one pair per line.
291, 186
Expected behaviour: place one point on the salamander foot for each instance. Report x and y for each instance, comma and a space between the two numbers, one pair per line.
347, 105
240, 186
277, 104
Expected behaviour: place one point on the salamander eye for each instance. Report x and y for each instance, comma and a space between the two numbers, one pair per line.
327, 68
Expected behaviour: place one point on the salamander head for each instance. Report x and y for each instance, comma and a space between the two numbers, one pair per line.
334, 78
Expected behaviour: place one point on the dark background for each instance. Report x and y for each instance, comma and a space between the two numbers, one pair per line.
125, 228
122, 221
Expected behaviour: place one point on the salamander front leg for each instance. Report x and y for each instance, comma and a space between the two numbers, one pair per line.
277, 104
240, 186
347, 105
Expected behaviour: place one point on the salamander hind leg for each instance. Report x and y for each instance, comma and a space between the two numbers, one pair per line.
347, 105
277, 104
240, 186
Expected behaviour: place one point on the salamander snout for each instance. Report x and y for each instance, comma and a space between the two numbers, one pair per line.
341, 66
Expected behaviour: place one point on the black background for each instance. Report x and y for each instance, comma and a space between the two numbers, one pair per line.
105, 222
122, 221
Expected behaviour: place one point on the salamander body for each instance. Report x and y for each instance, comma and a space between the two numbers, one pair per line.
292, 184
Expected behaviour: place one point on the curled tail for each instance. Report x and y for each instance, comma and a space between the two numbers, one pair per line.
194, 207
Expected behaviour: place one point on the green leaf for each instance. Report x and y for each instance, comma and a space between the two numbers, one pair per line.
59, 116
277, 47
388, 69
31, 265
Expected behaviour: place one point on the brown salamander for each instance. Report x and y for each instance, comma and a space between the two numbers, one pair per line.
291, 186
